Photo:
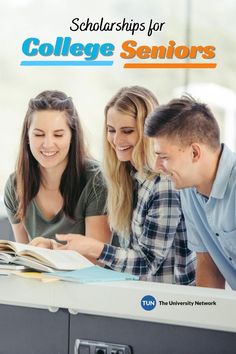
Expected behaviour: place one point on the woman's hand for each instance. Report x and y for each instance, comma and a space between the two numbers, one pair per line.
87, 246
44, 243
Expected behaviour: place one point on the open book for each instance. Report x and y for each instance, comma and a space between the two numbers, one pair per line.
41, 259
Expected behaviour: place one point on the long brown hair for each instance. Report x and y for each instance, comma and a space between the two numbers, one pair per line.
137, 102
27, 169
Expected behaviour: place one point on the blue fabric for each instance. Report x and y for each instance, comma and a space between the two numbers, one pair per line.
211, 222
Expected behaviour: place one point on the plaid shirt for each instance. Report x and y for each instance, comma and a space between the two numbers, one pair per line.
157, 249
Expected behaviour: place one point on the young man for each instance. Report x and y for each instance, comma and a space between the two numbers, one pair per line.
187, 144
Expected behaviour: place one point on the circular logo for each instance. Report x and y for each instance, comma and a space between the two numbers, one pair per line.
148, 302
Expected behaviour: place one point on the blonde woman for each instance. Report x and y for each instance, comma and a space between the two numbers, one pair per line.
144, 210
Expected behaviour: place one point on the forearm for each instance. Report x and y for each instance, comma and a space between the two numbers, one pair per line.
142, 258
207, 273
94, 249
97, 228
126, 260
210, 281
20, 233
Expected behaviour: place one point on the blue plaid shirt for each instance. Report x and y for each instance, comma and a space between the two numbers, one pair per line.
157, 249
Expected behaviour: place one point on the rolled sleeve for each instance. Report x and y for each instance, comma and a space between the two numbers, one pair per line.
151, 248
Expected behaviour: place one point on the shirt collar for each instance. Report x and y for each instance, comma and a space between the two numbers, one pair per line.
226, 163
138, 177
141, 178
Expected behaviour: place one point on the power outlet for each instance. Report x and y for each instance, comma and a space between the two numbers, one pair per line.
84, 346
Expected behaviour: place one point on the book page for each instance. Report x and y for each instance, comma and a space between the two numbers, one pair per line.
14, 246
57, 259
6, 257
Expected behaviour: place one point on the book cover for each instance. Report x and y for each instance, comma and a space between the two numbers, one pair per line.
94, 274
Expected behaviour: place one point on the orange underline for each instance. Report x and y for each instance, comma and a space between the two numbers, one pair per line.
170, 65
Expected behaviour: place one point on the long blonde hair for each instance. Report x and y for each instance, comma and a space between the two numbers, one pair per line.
137, 102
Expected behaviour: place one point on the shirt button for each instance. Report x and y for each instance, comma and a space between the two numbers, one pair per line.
230, 258
217, 235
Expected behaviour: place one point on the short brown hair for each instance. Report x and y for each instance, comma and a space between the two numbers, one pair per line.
184, 119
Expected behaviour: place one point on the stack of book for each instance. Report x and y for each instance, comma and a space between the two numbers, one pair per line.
59, 264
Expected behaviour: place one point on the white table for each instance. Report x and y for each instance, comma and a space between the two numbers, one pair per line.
112, 312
